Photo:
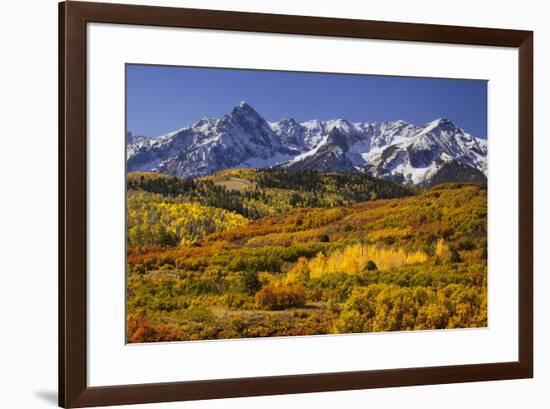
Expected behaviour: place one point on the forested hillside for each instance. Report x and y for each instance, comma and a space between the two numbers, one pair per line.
248, 253
257, 193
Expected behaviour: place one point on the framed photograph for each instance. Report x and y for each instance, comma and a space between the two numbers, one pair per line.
255, 204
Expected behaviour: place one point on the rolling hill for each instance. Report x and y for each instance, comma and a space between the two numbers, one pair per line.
253, 253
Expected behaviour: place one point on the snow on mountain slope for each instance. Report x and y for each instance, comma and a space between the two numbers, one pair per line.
418, 158
421, 155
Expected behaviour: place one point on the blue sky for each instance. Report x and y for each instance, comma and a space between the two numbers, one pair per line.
160, 99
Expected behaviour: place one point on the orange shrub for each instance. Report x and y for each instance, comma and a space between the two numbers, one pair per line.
278, 296
140, 329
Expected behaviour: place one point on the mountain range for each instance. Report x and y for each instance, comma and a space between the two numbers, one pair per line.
433, 153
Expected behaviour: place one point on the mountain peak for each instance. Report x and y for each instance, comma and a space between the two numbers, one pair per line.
243, 106
244, 112
442, 122
395, 150
288, 121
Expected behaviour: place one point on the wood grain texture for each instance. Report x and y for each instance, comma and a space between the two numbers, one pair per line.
525, 205
73, 389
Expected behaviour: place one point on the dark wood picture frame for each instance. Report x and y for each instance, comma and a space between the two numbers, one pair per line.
73, 388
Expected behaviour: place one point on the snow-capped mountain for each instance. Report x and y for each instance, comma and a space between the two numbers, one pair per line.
433, 153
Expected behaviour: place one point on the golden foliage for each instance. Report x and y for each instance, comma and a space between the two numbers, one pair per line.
155, 219
441, 249
278, 296
383, 307
300, 272
384, 265
354, 259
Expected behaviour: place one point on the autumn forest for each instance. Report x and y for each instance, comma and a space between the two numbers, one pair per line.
256, 253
